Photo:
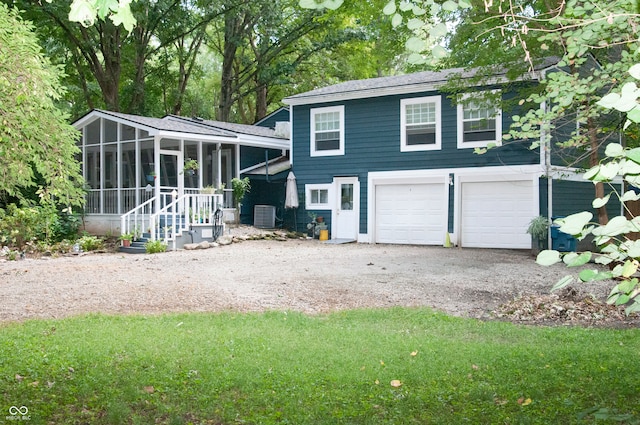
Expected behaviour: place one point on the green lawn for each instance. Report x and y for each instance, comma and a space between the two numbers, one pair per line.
330, 369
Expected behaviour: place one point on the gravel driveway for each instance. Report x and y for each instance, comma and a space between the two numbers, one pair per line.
300, 275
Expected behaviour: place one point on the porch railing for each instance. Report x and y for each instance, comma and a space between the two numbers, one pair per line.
175, 216
178, 216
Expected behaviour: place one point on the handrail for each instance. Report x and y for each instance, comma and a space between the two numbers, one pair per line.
179, 215
139, 215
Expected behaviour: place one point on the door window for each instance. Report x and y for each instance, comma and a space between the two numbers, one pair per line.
346, 196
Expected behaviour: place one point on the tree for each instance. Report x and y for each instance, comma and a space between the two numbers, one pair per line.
36, 140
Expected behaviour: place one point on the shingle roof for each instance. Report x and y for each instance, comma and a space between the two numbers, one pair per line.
194, 125
165, 124
382, 82
400, 83
251, 130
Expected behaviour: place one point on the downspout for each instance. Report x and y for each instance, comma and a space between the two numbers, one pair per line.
545, 146
266, 164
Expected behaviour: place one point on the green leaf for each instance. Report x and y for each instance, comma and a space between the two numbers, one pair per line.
390, 8
415, 59
548, 257
405, 6
418, 11
633, 155
565, 281
83, 11
591, 172
600, 202
308, 4
415, 44
614, 150
629, 195
574, 223
616, 226
628, 285
634, 71
333, 4
622, 299
415, 23
450, 6
464, 4
574, 260
439, 30
396, 20
629, 268
634, 115
125, 17
439, 52
589, 275
633, 308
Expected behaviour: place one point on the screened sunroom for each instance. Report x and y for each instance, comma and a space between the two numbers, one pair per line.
128, 160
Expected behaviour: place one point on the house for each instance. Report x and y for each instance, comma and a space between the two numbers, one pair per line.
136, 167
392, 160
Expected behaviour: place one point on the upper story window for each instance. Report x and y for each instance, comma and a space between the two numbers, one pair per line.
327, 131
420, 127
479, 120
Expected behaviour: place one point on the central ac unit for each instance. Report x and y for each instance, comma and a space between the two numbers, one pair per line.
264, 216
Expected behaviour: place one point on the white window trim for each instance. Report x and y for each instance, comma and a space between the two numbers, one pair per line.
403, 124
311, 206
333, 152
483, 143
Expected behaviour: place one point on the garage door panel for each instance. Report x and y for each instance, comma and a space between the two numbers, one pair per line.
410, 214
496, 214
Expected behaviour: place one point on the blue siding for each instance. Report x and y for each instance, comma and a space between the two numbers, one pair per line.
372, 143
250, 156
270, 121
570, 197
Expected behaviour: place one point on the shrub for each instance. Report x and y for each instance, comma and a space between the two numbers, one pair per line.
154, 247
90, 243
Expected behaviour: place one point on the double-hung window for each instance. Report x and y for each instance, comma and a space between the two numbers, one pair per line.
420, 128
479, 120
327, 131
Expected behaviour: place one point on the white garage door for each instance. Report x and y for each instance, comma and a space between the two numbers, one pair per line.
496, 214
411, 214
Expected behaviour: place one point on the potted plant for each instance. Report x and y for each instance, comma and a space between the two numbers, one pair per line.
240, 188
151, 176
191, 166
539, 231
126, 239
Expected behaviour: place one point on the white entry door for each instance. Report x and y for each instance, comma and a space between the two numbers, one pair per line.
171, 176
345, 223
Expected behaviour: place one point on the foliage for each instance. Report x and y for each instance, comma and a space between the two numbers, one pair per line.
191, 164
155, 246
21, 226
539, 227
126, 236
618, 248
90, 243
387, 366
35, 136
86, 12
240, 187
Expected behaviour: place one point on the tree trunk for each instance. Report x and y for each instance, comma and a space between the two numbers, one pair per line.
233, 23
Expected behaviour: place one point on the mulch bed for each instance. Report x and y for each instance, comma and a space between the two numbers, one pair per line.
566, 308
